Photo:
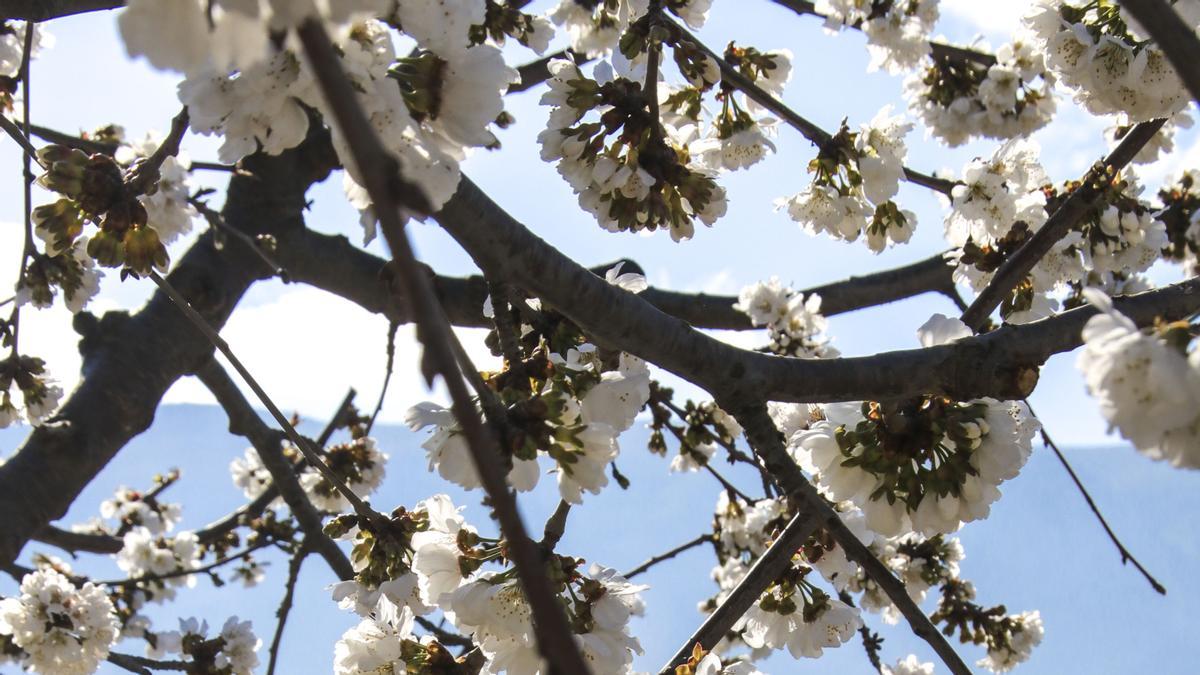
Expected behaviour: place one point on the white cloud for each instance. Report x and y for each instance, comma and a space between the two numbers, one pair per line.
307, 348
997, 21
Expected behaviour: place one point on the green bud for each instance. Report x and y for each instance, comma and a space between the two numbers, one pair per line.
107, 249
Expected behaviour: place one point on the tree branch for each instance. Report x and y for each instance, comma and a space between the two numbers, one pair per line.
767, 442
765, 571
389, 192
45, 10
1013, 270
654, 560
1001, 363
285, 605
1177, 40
811, 131
245, 422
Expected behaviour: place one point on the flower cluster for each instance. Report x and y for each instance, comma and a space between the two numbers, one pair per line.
359, 464
254, 91
431, 557
794, 322
92, 190
1148, 385
738, 137
1004, 200
641, 178
62, 629
704, 427
1009, 638
925, 465
39, 393
234, 650
794, 614
897, 30
960, 96
581, 403
1094, 50
144, 555
856, 175
133, 509
909, 665
922, 563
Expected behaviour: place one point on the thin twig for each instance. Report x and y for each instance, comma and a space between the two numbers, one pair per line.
810, 130
14, 320
14, 132
654, 560
144, 666
220, 562
1126, 556
387, 375
217, 221
305, 446
145, 173
389, 193
285, 605
556, 525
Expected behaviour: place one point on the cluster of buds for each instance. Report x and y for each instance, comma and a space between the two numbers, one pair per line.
94, 189
502, 21
1009, 638
626, 170
39, 394
703, 428
382, 548
1180, 214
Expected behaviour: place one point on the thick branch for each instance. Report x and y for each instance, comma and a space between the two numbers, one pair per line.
129, 361
44, 10
333, 264
1001, 364
1177, 40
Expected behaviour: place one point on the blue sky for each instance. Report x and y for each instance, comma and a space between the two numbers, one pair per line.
1040, 549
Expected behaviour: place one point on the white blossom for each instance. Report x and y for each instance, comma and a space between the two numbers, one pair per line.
64, 630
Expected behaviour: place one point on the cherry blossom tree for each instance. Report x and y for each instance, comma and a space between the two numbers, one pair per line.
869, 464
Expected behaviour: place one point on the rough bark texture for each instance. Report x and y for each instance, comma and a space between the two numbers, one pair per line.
130, 360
